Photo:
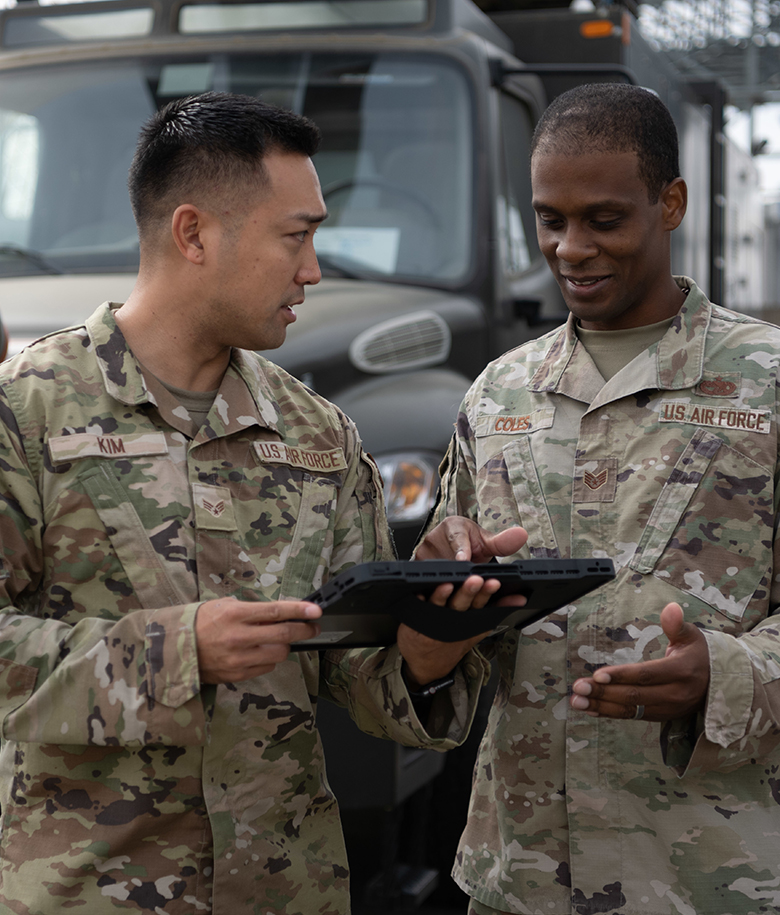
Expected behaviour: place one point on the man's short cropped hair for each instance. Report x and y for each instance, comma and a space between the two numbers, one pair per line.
613, 117
207, 150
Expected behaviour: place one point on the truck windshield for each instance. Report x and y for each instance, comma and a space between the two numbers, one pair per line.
396, 161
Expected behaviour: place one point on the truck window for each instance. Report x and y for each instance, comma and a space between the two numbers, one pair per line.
516, 221
396, 162
18, 174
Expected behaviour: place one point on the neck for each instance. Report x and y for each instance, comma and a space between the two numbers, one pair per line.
162, 333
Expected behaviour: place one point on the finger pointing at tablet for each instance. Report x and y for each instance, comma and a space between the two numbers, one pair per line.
460, 538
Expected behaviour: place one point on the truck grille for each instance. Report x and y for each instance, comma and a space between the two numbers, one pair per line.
410, 342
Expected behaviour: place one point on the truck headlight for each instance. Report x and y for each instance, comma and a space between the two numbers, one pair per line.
411, 482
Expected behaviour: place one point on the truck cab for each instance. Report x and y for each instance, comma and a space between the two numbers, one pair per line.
429, 257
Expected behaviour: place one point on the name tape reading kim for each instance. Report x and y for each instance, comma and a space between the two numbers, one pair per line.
88, 444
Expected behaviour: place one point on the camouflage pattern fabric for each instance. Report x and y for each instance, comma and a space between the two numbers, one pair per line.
124, 783
669, 468
476, 908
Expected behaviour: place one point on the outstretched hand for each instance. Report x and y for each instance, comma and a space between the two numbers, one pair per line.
664, 689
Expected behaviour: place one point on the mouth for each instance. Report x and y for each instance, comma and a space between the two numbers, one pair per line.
288, 309
584, 282
585, 287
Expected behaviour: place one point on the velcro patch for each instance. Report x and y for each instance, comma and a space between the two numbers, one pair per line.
65, 448
500, 424
303, 458
594, 480
213, 508
716, 417
723, 384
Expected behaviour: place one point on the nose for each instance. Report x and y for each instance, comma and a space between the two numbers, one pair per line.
575, 244
309, 273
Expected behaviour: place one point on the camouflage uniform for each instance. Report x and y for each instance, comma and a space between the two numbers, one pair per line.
670, 469
124, 783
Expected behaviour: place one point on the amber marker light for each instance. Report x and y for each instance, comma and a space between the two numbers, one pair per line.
598, 28
411, 483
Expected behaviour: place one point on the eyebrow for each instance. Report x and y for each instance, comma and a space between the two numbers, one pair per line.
309, 217
593, 207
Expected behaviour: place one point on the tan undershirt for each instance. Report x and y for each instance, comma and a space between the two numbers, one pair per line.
196, 403
612, 350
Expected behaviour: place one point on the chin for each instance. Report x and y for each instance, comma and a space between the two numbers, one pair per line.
265, 344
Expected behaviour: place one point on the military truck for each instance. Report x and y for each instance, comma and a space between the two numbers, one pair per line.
429, 257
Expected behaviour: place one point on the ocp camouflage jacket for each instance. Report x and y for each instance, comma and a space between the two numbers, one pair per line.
124, 782
670, 468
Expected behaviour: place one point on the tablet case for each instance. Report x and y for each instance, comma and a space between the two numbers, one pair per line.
363, 606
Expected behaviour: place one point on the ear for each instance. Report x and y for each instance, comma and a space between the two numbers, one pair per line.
190, 228
674, 201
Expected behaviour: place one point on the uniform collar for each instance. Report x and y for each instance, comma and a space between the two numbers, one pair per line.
680, 353
674, 363
120, 369
244, 398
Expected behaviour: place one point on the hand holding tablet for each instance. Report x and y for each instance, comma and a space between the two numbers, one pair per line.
364, 606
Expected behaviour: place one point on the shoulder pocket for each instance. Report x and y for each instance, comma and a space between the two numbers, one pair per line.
709, 530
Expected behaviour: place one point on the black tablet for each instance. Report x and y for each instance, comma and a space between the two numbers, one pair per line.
363, 606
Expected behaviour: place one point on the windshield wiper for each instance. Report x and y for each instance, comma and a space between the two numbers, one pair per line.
32, 257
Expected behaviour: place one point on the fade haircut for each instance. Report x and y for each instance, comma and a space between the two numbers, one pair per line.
613, 117
208, 149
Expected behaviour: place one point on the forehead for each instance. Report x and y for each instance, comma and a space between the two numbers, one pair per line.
288, 173
291, 187
586, 178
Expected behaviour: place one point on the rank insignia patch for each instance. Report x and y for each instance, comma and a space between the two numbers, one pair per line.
595, 481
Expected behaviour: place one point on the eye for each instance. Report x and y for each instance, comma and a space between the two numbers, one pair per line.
605, 224
548, 220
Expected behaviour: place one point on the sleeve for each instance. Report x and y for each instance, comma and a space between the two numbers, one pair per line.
368, 682
740, 722
132, 681
457, 472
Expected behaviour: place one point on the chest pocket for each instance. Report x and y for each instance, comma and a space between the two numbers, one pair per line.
286, 516
130, 539
108, 488
312, 540
264, 534
710, 529
531, 504
516, 481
